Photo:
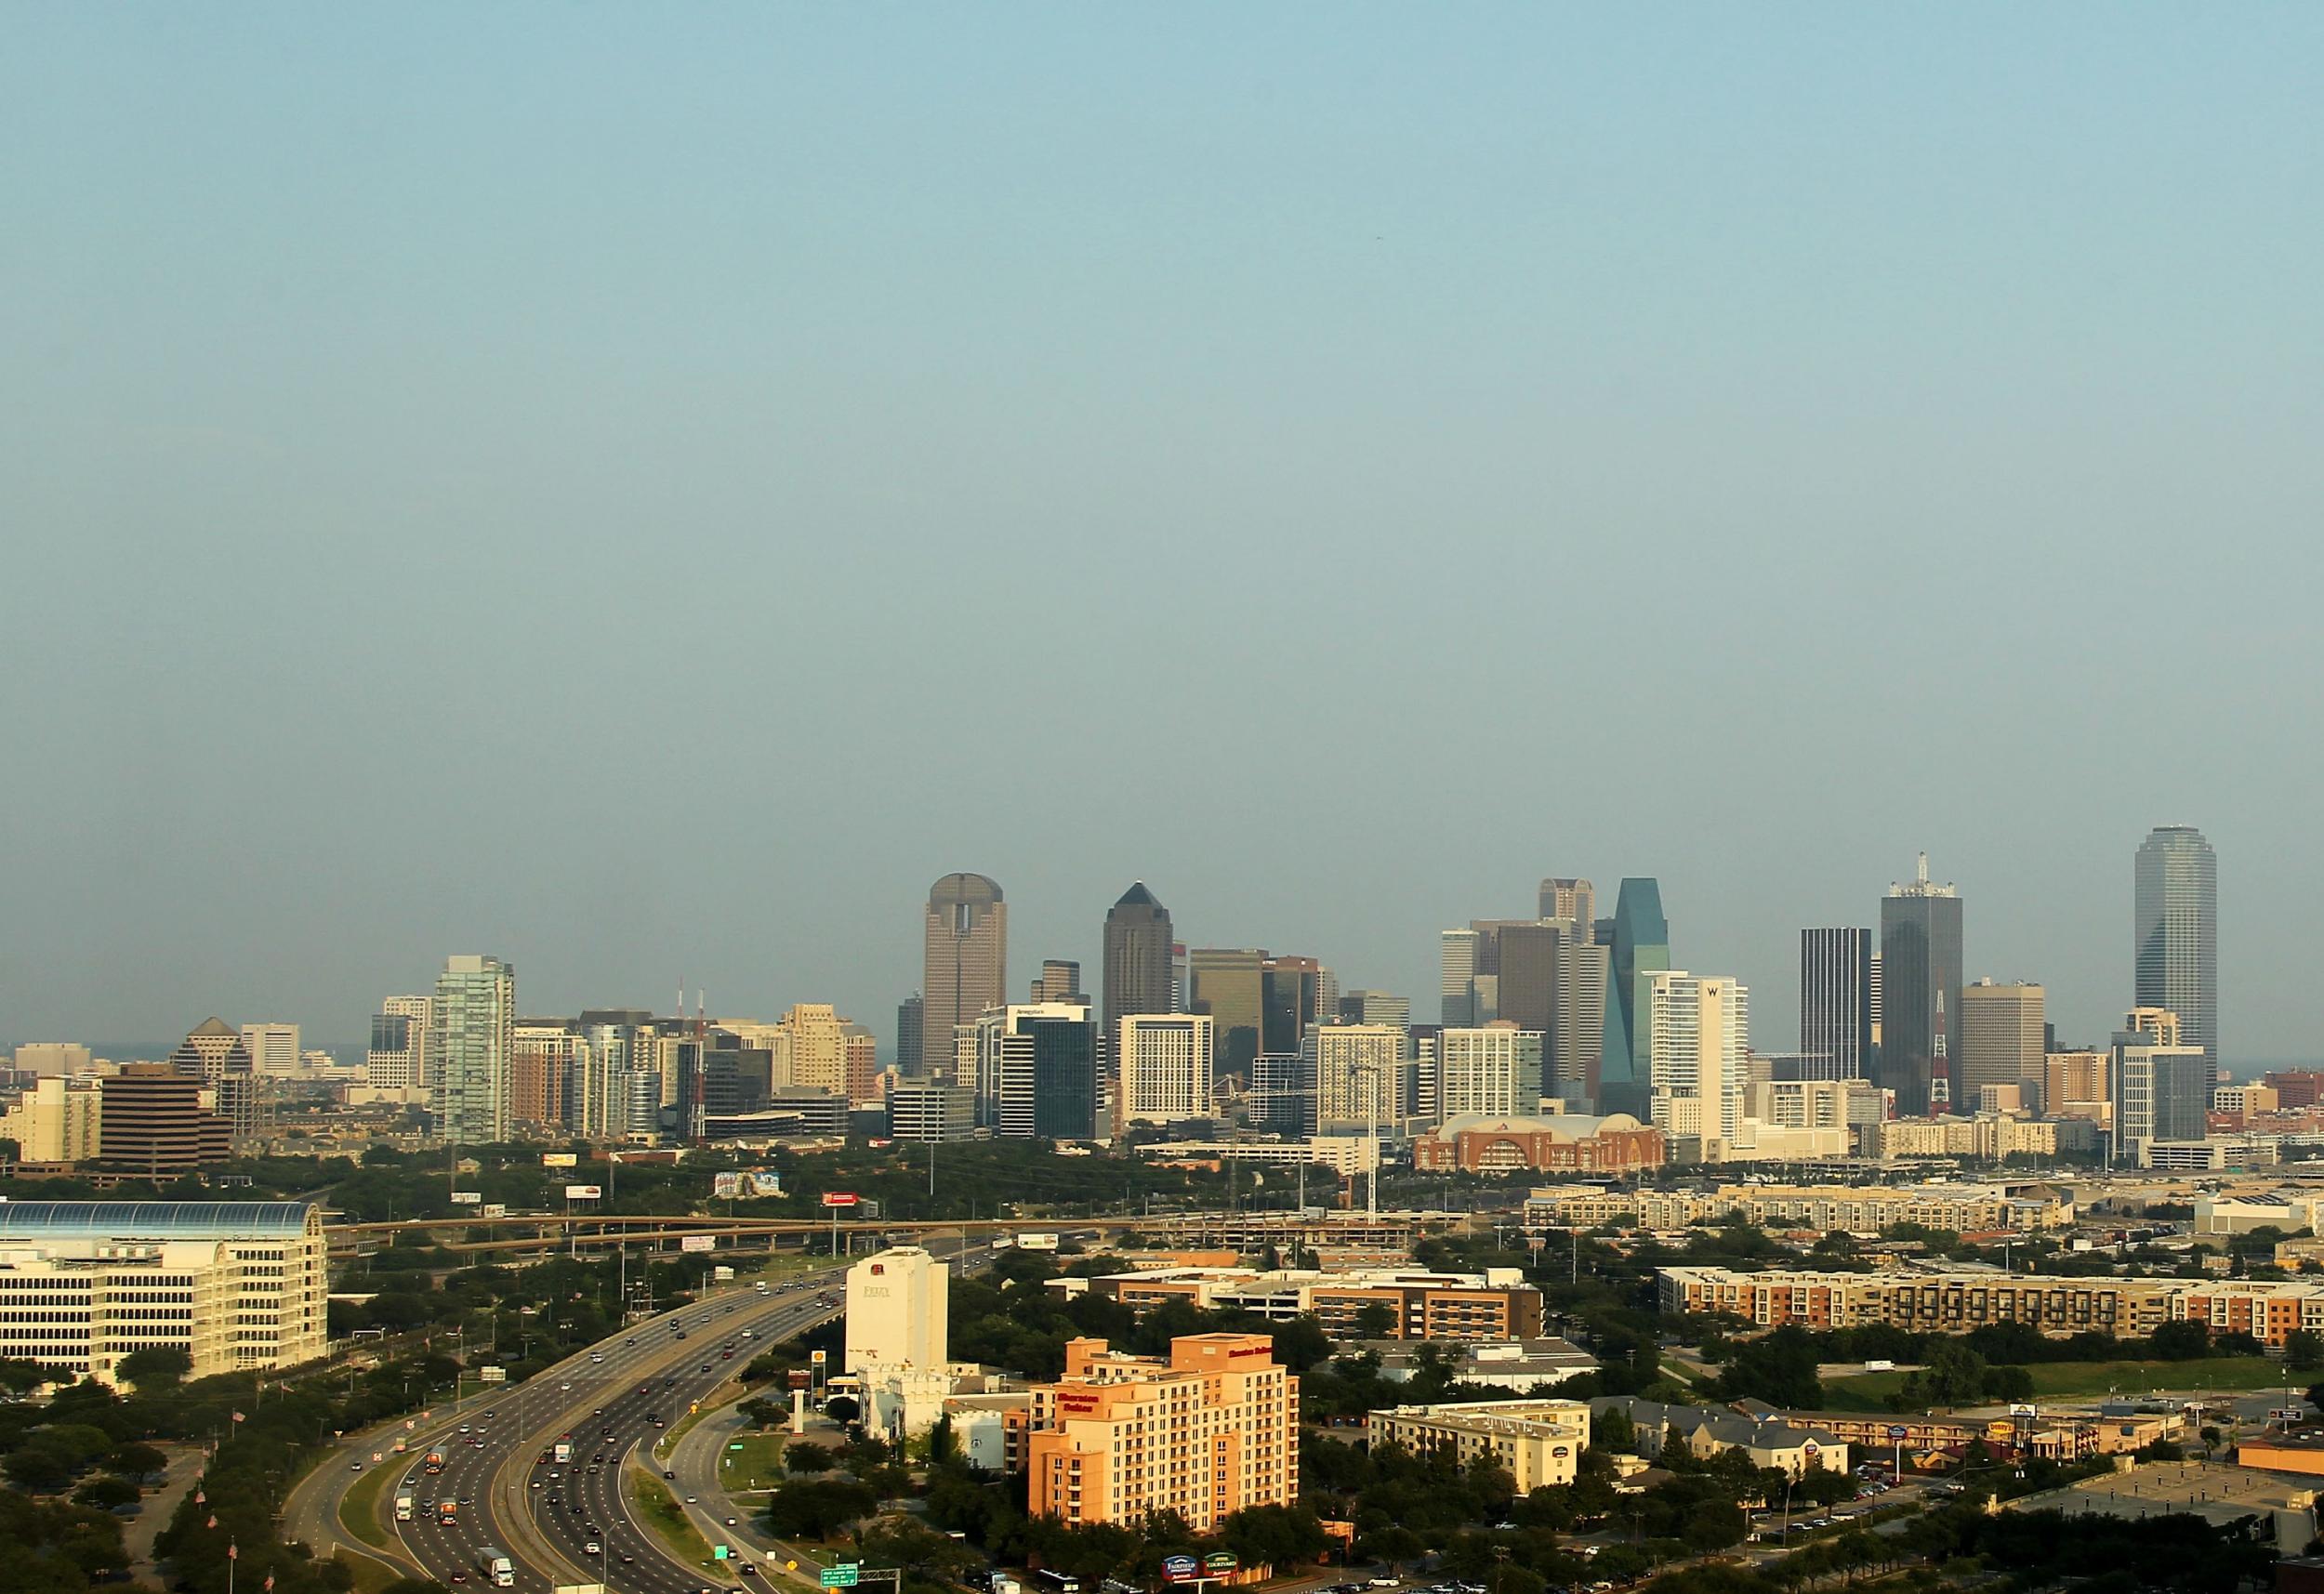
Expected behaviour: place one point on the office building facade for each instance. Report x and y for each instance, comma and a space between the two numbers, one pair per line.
966, 960
1457, 958
1037, 1071
1921, 973
1229, 984
2001, 1030
235, 1285
2176, 912
1836, 1001
1698, 1038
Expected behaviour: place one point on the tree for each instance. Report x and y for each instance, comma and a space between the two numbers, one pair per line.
1280, 1537
818, 1508
806, 1458
922, 1552
105, 1492
1779, 1368
1615, 1431
155, 1369
2303, 1350
1374, 1320
137, 1461
2184, 1340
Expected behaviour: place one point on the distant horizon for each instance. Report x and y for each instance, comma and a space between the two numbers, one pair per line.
642, 491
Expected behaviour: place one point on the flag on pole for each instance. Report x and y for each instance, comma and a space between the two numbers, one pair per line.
200, 1499
269, 1583
238, 1416
212, 1523
234, 1552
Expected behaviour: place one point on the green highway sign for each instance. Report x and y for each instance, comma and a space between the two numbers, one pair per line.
733, 1447
840, 1576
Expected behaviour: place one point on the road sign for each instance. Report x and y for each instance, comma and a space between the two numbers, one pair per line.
733, 1447
718, 1553
1179, 1569
841, 1576
841, 1198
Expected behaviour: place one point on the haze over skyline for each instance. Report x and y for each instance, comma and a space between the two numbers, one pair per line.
641, 494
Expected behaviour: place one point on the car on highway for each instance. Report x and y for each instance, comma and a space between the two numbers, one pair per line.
692, 1501
355, 1466
460, 1577
672, 1476
627, 1558
730, 1522
592, 1548
748, 1570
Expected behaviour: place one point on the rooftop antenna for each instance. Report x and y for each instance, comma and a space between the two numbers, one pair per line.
1920, 870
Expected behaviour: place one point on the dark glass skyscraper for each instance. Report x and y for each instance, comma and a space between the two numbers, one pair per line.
2176, 917
1137, 970
1836, 1011
1920, 994
1641, 947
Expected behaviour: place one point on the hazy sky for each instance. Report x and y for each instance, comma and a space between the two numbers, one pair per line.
642, 491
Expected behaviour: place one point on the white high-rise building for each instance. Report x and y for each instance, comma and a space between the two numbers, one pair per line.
274, 1048
1357, 1069
1495, 1071
1165, 1067
896, 1305
471, 1041
1699, 1036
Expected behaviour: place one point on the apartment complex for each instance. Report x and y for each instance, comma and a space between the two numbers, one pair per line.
1832, 1209
1957, 1301
1207, 1433
1539, 1442
236, 1285
1384, 1304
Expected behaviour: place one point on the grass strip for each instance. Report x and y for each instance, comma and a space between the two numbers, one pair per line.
659, 1511
359, 1507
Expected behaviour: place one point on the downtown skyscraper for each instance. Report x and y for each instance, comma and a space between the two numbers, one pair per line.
1136, 978
966, 962
1921, 945
2175, 917
1836, 1011
1640, 948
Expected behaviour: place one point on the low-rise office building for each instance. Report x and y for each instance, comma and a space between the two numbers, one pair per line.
236, 1285
54, 1120
1539, 1442
1209, 1431
1379, 1304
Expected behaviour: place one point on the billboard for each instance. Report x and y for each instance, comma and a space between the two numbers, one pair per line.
583, 1192
467, 1198
841, 1198
559, 1159
495, 1209
749, 1184
494, 1375
1179, 1569
698, 1242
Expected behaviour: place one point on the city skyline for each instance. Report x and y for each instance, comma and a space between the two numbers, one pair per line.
1775, 1032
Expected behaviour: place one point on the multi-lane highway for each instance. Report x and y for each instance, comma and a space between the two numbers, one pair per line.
489, 1470
610, 1402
